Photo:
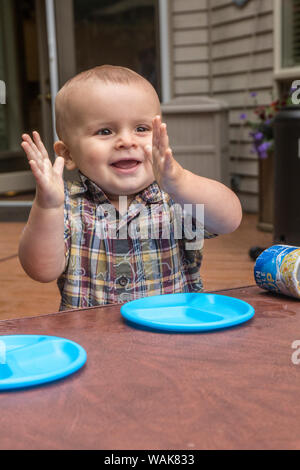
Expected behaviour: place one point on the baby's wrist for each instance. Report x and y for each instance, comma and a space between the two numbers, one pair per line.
45, 202
177, 183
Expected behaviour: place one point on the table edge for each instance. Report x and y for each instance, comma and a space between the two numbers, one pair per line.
43, 315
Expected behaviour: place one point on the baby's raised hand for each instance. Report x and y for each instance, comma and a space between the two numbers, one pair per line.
50, 185
167, 171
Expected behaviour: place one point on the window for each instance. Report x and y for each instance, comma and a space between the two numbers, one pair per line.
290, 52
287, 38
19, 71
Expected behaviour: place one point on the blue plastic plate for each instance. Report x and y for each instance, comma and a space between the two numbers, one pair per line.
27, 360
187, 312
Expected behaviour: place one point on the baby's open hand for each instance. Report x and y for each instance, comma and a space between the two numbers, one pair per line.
50, 186
167, 171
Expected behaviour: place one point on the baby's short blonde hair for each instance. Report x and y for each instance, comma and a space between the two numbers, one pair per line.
105, 73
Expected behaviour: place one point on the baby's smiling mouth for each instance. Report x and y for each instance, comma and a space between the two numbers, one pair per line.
126, 163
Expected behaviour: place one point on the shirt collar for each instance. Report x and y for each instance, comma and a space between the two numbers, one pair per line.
151, 194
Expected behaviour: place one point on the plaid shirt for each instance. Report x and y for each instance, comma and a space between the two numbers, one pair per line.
110, 258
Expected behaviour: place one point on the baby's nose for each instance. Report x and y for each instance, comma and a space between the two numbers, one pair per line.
126, 140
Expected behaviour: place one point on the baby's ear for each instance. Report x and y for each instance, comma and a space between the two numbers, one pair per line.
62, 150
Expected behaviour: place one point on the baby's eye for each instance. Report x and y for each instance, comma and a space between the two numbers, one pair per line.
104, 131
142, 129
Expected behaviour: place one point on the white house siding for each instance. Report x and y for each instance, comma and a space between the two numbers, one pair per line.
190, 39
226, 52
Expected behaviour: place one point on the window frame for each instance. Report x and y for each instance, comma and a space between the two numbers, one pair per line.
164, 9
280, 72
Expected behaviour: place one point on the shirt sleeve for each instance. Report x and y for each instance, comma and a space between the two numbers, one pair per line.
208, 234
191, 228
195, 233
194, 227
199, 225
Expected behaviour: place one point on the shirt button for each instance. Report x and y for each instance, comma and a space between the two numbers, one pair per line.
123, 281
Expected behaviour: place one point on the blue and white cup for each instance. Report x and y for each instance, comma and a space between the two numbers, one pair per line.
277, 269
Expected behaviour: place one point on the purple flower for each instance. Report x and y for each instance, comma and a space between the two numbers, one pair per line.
262, 149
243, 116
253, 94
258, 136
264, 146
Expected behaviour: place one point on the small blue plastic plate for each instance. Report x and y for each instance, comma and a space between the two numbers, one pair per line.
28, 360
187, 312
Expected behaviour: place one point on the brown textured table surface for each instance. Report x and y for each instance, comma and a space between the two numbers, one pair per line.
236, 388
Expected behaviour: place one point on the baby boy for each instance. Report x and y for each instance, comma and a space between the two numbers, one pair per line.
108, 121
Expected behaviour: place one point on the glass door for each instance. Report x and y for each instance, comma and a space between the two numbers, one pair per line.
27, 107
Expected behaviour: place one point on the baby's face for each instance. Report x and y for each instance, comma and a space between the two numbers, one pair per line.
112, 124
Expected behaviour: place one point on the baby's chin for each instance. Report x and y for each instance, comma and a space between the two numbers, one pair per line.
134, 190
